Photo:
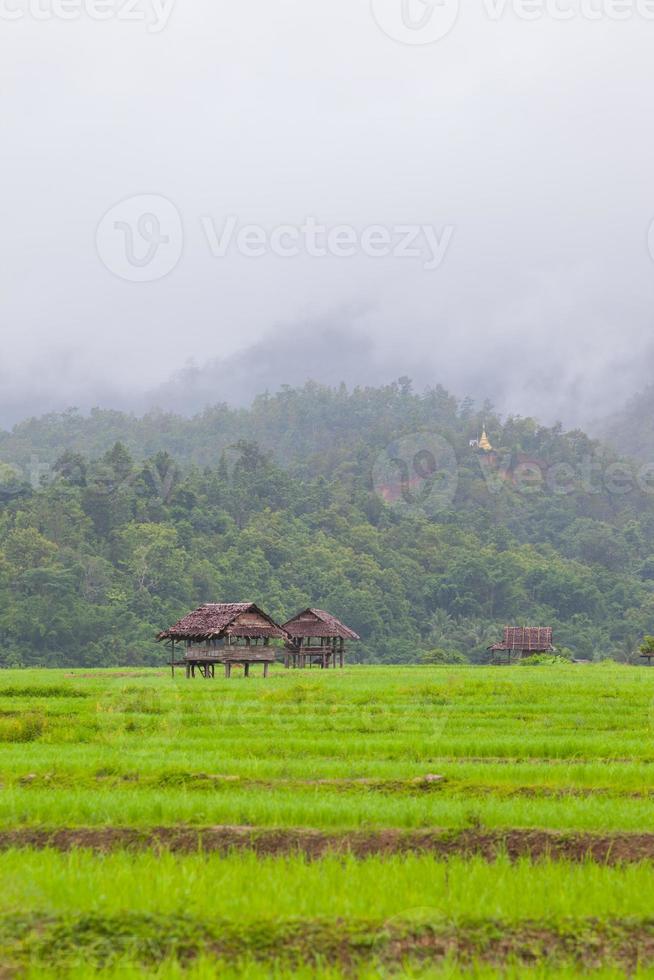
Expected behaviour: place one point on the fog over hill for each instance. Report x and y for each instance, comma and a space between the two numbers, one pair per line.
339, 349
525, 275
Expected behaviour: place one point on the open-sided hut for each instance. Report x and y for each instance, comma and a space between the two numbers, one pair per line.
315, 636
521, 641
223, 633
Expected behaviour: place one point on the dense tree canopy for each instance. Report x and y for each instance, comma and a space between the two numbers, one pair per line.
112, 526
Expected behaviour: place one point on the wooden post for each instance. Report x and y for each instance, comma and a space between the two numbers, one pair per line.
172, 659
228, 670
265, 669
246, 668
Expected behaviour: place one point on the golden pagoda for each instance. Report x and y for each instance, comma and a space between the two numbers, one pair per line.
484, 442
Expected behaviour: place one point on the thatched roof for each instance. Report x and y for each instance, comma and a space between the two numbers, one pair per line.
216, 619
317, 622
532, 639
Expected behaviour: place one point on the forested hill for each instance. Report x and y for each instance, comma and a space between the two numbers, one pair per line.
372, 504
312, 423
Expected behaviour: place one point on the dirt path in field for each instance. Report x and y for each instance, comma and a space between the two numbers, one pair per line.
535, 844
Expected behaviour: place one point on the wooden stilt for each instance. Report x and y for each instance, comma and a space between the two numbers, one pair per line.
228, 670
246, 669
265, 669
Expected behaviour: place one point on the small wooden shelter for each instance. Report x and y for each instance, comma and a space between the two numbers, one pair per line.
521, 641
315, 636
225, 633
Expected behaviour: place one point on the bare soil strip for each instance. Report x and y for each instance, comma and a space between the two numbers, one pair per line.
615, 848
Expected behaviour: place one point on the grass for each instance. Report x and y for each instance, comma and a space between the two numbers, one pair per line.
563, 748
558, 748
245, 888
316, 807
208, 968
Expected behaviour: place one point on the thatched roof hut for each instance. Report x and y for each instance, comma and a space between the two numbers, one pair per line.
524, 640
224, 632
316, 635
220, 620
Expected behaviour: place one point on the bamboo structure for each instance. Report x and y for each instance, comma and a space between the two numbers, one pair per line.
316, 637
223, 634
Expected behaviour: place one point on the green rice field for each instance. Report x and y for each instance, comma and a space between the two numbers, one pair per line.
371, 822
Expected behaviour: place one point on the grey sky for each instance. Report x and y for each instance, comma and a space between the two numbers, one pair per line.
530, 140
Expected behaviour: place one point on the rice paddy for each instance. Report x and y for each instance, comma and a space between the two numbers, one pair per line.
420, 822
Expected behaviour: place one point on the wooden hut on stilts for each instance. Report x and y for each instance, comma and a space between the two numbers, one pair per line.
223, 633
522, 641
315, 636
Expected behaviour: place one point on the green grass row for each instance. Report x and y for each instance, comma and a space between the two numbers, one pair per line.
244, 888
208, 968
136, 748
157, 765
314, 808
568, 748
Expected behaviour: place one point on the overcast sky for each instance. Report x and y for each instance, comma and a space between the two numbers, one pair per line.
512, 158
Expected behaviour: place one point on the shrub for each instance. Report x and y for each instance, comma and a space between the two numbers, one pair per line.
25, 728
544, 660
435, 657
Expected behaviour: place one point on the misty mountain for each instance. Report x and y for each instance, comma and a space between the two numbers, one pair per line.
631, 429
327, 352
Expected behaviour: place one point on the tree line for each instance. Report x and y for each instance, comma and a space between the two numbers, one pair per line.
133, 521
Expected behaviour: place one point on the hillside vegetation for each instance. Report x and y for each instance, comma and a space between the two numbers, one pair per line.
112, 526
